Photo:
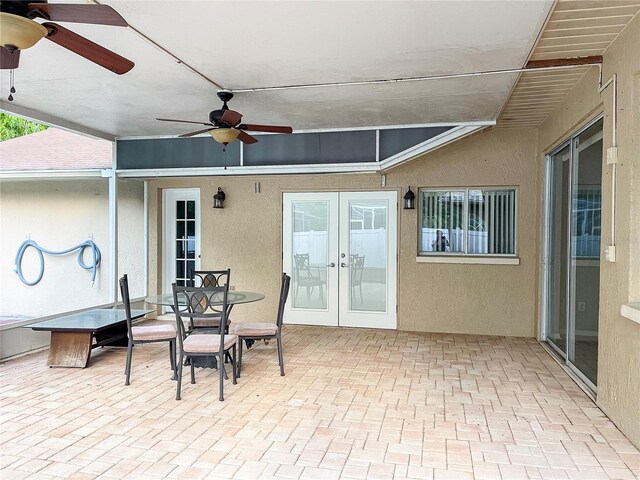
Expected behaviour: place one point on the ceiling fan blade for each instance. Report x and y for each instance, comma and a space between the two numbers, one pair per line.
230, 117
197, 132
184, 121
96, 14
266, 128
88, 49
244, 137
9, 59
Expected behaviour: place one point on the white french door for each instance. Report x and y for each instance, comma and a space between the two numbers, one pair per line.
180, 236
340, 250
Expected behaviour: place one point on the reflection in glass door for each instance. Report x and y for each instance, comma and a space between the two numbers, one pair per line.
573, 250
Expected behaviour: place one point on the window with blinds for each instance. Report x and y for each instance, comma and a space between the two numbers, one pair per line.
468, 221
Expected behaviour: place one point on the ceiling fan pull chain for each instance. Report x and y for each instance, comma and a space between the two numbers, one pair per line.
224, 154
12, 90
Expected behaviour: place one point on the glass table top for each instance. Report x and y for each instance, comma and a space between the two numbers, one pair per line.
90, 320
234, 297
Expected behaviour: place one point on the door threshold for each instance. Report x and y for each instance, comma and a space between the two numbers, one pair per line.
560, 361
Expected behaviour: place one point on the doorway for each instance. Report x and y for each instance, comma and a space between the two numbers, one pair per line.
340, 249
180, 236
573, 233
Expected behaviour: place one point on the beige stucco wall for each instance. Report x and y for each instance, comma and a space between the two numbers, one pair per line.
487, 299
619, 337
59, 214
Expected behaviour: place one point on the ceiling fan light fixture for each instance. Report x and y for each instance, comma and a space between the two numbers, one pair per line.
224, 135
19, 32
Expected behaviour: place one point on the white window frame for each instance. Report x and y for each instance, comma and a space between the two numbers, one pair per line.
441, 257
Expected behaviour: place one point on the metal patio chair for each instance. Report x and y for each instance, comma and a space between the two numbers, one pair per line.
266, 331
145, 333
197, 302
206, 279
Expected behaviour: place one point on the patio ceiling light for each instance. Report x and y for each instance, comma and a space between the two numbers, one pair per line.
224, 135
19, 32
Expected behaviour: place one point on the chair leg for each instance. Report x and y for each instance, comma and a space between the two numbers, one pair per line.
233, 362
179, 382
193, 372
280, 359
221, 369
127, 368
172, 358
239, 368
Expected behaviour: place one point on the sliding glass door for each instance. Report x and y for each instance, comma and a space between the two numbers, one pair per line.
574, 193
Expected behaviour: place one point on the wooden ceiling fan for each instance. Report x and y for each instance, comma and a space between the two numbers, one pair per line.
19, 30
225, 127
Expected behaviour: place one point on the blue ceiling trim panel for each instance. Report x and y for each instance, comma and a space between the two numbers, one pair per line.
175, 153
397, 140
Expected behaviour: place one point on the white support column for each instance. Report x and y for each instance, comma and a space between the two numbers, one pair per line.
113, 228
146, 237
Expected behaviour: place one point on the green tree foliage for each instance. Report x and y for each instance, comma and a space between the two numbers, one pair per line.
12, 127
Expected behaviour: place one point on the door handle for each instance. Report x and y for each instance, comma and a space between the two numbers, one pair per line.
331, 265
343, 265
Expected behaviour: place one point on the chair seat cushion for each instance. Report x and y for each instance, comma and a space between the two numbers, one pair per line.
245, 329
154, 332
207, 343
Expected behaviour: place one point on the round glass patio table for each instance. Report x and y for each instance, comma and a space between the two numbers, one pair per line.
234, 297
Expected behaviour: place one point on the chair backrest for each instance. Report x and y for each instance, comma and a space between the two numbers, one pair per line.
210, 278
191, 302
126, 302
284, 293
357, 268
302, 264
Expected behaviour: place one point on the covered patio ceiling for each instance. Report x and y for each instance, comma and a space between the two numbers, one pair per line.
185, 51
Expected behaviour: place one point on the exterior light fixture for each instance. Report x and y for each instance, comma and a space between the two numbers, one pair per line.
19, 33
218, 199
409, 200
224, 135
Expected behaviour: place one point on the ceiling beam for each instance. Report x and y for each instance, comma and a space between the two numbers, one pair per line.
564, 62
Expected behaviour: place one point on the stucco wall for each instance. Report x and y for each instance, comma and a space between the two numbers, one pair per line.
488, 299
619, 337
58, 215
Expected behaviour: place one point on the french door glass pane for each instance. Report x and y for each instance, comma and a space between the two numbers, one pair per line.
310, 250
585, 249
180, 209
368, 255
558, 247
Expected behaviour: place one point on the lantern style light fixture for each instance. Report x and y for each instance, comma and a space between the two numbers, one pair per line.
218, 199
409, 200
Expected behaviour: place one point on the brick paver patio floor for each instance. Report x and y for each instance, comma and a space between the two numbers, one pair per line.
353, 404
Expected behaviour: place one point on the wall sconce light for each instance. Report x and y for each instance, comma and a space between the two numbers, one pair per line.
409, 200
218, 199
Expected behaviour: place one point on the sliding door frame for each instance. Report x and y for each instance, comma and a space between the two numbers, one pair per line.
546, 287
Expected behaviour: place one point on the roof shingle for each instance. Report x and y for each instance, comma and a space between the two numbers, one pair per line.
54, 149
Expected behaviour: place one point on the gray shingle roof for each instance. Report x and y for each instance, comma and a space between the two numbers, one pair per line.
54, 149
